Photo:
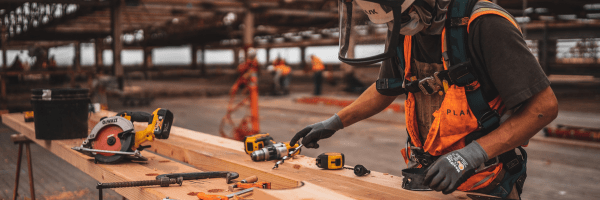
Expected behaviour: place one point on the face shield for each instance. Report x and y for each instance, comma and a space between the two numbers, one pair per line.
360, 20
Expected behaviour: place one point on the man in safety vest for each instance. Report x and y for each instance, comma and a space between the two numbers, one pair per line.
281, 76
317, 68
462, 65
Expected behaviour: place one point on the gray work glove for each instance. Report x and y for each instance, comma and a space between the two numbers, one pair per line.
451, 170
313, 133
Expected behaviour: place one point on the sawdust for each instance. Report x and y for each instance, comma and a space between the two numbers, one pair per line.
192, 193
215, 190
164, 161
385, 173
68, 195
152, 174
297, 166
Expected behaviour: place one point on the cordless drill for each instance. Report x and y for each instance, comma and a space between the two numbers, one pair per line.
273, 152
256, 142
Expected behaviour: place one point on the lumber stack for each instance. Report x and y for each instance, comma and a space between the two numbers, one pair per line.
298, 178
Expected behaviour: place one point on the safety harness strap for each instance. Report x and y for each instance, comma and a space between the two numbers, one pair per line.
456, 37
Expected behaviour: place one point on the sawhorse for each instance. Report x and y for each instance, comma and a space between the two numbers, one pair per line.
21, 139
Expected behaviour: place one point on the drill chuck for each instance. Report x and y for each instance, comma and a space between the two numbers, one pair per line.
271, 152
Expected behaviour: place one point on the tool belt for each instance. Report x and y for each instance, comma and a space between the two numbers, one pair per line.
441, 80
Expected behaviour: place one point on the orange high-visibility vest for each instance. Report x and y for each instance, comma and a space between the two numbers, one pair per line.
453, 120
317, 64
285, 70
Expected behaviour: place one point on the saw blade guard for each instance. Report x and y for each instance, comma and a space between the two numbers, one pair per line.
113, 134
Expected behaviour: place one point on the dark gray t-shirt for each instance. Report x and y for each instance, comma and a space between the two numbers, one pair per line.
501, 59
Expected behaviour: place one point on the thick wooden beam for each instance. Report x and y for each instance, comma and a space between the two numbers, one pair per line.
77, 57
99, 50
4, 43
302, 57
117, 44
248, 37
211, 153
236, 57
268, 55
124, 171
194, 52
147, 61
203, 62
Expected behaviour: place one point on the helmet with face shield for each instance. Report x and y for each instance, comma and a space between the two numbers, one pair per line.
360, 49
357, 17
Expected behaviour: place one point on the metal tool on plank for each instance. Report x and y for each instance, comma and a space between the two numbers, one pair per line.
290, 154
204, 196
163, 182
202, 175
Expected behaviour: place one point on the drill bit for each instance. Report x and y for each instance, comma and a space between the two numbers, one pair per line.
286, 157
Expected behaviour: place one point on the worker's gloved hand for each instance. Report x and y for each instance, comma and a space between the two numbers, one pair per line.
313, 133
451, 170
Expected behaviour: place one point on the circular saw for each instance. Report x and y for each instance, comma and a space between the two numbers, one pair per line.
114, 139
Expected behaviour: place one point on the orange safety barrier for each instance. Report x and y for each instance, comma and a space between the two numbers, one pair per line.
249, 82
573, 132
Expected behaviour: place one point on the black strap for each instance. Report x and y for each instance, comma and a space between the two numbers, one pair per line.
456, 37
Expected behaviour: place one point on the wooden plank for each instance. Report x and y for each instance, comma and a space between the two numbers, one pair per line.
316, 192
126, 171
211, 153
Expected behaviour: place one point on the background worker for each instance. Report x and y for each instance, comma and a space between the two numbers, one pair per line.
281, 76
460, 148
317, 68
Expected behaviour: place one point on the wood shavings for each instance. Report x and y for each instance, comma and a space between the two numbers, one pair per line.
215, 190
385, 174
192, 193
297, 166
152, 174
164, 161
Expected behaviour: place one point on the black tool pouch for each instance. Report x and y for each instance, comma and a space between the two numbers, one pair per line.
512, 162
413, 179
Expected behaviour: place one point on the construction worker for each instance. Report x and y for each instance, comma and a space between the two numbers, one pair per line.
282, 78
462, 68
317, 68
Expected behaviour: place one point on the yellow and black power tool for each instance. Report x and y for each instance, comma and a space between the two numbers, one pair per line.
28, 115
256, 142
331, 160
274, 151
114, 138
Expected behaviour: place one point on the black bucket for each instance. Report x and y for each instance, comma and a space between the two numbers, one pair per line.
60, 113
